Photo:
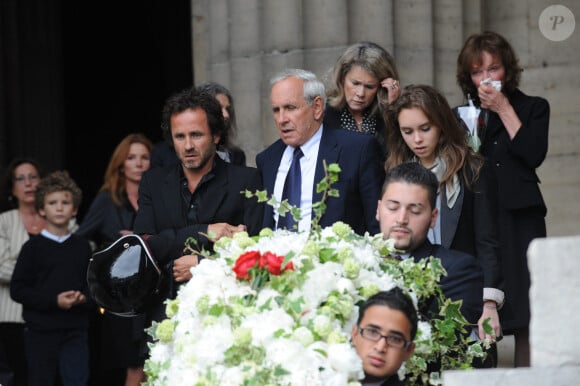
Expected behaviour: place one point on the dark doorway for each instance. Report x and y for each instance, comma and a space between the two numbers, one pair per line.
121, 61
77, 76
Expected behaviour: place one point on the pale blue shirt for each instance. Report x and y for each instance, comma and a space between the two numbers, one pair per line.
308, 169
58, 239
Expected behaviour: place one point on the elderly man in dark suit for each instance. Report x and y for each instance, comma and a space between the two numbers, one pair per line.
201, 196
298, 99
406, 211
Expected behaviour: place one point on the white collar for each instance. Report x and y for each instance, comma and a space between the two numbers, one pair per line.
58, 239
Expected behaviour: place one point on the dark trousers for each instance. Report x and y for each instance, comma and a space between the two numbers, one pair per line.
51, 352
12, 357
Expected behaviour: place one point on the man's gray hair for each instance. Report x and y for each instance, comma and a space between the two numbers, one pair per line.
312, 86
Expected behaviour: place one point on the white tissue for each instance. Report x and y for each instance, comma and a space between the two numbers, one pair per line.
495, 83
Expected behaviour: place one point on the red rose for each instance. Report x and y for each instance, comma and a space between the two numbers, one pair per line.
246, 262
274, 263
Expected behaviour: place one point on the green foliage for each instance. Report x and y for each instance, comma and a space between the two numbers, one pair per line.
331, 173
450, 346
191, 246
247, 356
487, 327
237, 355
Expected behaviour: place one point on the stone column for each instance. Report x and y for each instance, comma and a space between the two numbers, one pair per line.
472, 17
200, 29
414, 45
282, 24
448, 39
509, 18
325, 33
219, 42
372, 20
246, 71
554, 302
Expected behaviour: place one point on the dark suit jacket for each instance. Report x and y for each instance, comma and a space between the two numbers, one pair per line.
237, 156
464, 280
105, 220
359, 182
515, 160
393, 381
161, 213
470, 226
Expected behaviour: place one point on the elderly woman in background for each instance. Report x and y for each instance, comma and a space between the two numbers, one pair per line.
513, 130
111, 216
16, 227
364, 82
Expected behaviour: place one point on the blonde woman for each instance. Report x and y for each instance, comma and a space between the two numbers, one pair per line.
364, 81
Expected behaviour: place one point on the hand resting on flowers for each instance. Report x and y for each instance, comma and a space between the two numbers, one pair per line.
182, 266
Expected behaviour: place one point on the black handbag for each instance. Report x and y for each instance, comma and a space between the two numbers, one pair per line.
124, 277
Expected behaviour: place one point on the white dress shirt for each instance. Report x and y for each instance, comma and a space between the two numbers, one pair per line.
308, 169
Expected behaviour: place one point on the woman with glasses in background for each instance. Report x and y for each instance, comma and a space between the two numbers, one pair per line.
17, 225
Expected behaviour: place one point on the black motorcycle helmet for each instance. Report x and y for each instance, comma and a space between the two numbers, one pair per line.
124, 278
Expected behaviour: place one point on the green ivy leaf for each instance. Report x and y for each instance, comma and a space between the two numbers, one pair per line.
334, 168
327, 254
333, 193
487, 327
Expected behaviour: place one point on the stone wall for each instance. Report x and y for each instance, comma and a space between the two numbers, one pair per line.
241, 43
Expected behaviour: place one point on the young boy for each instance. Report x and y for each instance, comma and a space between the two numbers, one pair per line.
50, 281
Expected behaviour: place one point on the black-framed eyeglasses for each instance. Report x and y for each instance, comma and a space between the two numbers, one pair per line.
374, 335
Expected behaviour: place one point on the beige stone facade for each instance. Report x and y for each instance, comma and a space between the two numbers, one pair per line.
241, 43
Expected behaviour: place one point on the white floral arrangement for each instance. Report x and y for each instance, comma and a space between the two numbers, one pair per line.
278, 309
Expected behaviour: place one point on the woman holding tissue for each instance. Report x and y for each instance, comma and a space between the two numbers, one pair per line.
425, 130
513, 128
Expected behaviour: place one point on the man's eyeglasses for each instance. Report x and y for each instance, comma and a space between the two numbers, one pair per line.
392, 340
22, 179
